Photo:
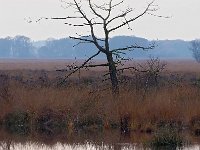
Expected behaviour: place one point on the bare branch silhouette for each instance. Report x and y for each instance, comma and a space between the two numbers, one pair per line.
100, 16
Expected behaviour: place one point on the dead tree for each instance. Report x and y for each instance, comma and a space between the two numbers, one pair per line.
154, 67
145, 75
195, 47
103, 16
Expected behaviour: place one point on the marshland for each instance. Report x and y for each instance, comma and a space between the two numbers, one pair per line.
35, 105
115, 74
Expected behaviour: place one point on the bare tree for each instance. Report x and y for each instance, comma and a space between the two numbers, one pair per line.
107, 17
195, 47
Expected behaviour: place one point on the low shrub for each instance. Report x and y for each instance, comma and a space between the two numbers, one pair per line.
195, 125
88, 122
50, 122
167, 137
17, 122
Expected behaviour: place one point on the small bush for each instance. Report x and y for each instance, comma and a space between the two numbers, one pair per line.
167, 137
195, 125
88, 122
50, 122
17, 122
1, 123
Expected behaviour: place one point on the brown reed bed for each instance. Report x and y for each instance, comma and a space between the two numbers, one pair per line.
87, 106
33, 99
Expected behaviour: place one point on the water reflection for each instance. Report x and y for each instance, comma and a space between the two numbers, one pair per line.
86, 146
59, 146
99, 140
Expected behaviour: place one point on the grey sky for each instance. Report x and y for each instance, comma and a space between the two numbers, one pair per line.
184, 23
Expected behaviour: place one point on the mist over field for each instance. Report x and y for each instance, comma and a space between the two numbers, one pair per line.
66, 48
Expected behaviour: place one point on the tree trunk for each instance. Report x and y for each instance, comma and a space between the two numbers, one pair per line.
113, 75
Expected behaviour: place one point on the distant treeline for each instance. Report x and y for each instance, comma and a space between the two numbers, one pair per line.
24, 47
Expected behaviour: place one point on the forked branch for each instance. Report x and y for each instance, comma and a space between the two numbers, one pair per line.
82, 66
133, 19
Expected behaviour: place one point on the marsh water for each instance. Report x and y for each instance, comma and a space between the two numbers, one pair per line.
85, 140
86, 146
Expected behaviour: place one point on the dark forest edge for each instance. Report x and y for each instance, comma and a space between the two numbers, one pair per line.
24, 48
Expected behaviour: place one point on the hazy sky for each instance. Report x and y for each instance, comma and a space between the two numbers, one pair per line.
183, 24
